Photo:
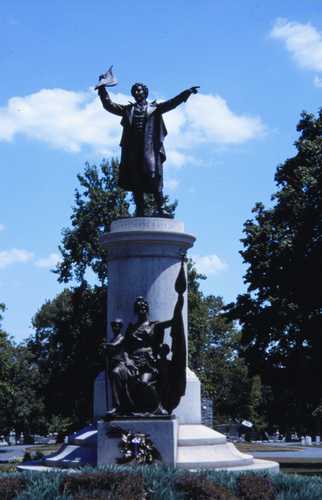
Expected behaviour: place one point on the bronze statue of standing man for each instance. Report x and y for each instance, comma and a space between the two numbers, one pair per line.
142, 150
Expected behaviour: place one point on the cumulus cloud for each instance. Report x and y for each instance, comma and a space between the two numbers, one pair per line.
302, 41
2, 227
71, 120
48, 262
209, 264
211, 120
8, 257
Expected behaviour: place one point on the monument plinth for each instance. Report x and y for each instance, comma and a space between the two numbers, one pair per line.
144, 258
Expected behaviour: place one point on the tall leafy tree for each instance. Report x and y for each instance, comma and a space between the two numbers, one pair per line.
213, 344
21, 406
280, 314
6, 389
68, 332
98, 202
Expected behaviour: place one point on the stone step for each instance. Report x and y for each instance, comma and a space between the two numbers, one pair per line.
71, 456
211, 456
88, 438
197, 435
257, 465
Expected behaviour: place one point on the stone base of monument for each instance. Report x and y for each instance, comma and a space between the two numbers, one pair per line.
162, 432
79, 451
200, 447
190, 447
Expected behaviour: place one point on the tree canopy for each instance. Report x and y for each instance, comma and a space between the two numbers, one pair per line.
21, 405
98, 202
280, 314
68, 333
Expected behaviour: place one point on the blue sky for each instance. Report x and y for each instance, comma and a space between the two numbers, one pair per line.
258, 64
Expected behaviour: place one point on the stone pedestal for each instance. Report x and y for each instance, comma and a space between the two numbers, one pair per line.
162, 432
144, 256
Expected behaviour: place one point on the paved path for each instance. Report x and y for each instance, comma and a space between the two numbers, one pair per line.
10, 453
305, 452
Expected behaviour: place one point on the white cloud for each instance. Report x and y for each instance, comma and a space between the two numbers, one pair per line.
2, 227
209, 264
48, 262
63, 119
303, 42
8, 257
211, 120
71, 120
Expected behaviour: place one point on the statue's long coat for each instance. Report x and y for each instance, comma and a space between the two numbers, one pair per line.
130, 177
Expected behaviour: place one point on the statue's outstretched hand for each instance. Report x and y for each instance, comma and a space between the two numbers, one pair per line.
194, 90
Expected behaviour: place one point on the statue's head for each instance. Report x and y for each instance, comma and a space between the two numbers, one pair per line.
141, 306
139, 91
116, 325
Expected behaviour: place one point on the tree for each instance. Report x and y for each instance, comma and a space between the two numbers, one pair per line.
97, 204
68, 333
25, 407
213, 344
21, 405
280, 314
6, 349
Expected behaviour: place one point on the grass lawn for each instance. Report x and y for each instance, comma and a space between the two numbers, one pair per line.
253, 447
45, 449
310, 466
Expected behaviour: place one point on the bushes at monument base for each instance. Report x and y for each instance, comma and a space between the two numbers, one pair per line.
108, 485
11, 486
199, 487
157, 483
256, 487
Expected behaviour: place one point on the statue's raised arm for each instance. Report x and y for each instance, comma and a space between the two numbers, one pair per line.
166, 106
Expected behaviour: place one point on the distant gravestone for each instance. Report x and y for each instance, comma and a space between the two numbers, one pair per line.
207, 412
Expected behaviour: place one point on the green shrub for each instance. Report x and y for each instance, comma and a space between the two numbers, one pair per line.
11, 486
38, 455
199, 487
27, 457
295, 487
156, 483
42, 486
255, 487
106, 484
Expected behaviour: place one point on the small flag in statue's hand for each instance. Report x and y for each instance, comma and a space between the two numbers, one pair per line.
107, 80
